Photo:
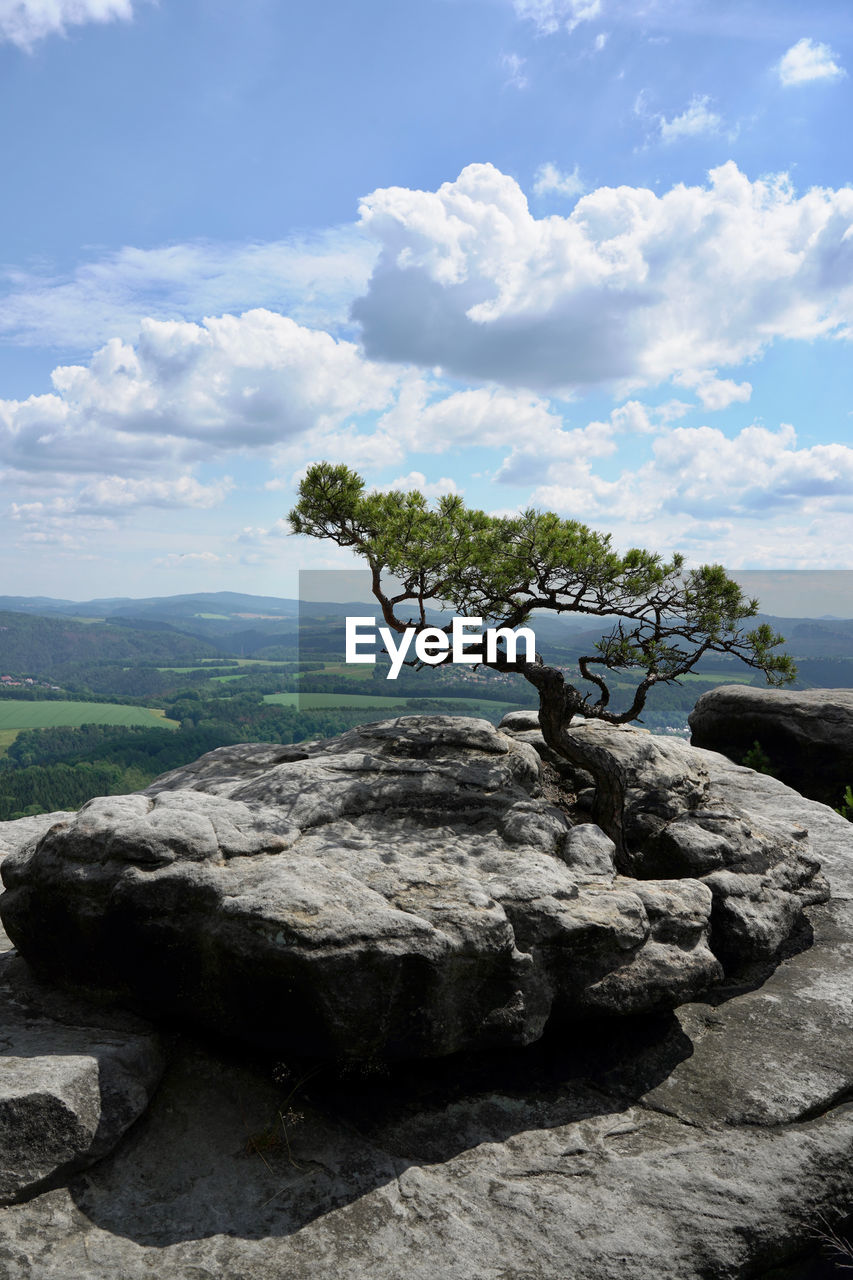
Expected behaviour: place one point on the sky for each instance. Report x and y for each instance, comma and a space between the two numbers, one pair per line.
592, 256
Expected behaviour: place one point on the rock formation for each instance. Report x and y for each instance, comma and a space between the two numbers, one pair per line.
406, 890
807, 734
694, 1145
73, 1077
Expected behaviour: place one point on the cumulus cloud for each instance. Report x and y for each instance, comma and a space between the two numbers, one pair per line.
715, 393
697, 118
185, 391
549, 16
809, 60
700, 474
549, 179
630, 286
561, 451
23, 22
427, 418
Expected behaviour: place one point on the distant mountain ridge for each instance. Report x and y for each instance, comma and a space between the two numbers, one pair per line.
226, 602
229, 621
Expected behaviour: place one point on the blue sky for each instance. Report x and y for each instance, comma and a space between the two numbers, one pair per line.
590, 255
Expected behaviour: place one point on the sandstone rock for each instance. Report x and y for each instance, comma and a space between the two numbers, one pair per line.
587, 847
700, 1145
807, 734
19, 833
524, 727
695, 1147
73, 1078
672, 812
402, 890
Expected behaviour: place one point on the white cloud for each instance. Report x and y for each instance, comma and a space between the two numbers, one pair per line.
186, 392
700, 474
558, 450
698, 118
715, 393
93, 507
425, 418
630, 286
809, 60
201, 559
562, 450
550, 179
313, 279
23, 22
417, 480
514, 67
550, 15
113, 495
601, 40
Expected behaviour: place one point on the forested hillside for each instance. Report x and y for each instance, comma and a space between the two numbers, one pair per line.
35, 645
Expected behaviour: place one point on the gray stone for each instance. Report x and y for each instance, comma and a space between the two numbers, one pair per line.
807, 734
671, 812
703, 1145
403, 890
587, 847
524, 727
520, 722
73, 1078
17, 835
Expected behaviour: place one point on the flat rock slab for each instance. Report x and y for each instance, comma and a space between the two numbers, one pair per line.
73, 1078
404, 890
806, 734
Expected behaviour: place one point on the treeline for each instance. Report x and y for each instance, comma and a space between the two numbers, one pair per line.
45, 788
62, 768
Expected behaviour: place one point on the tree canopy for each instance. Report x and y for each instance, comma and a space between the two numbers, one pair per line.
662, 616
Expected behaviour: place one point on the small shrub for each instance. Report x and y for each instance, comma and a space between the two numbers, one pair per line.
757, 758
846, 807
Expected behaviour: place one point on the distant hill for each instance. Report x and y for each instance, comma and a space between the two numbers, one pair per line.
31, 644
228, 622
227, 604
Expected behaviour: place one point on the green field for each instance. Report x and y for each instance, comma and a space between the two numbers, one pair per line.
238, 662
16, 715
316, 701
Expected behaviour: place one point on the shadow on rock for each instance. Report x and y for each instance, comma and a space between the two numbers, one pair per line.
224, 1150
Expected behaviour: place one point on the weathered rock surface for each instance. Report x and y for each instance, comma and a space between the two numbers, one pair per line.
698, 1146
403, 890
672, 812
695, 1145
808, 734
73, 1078
17, 835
